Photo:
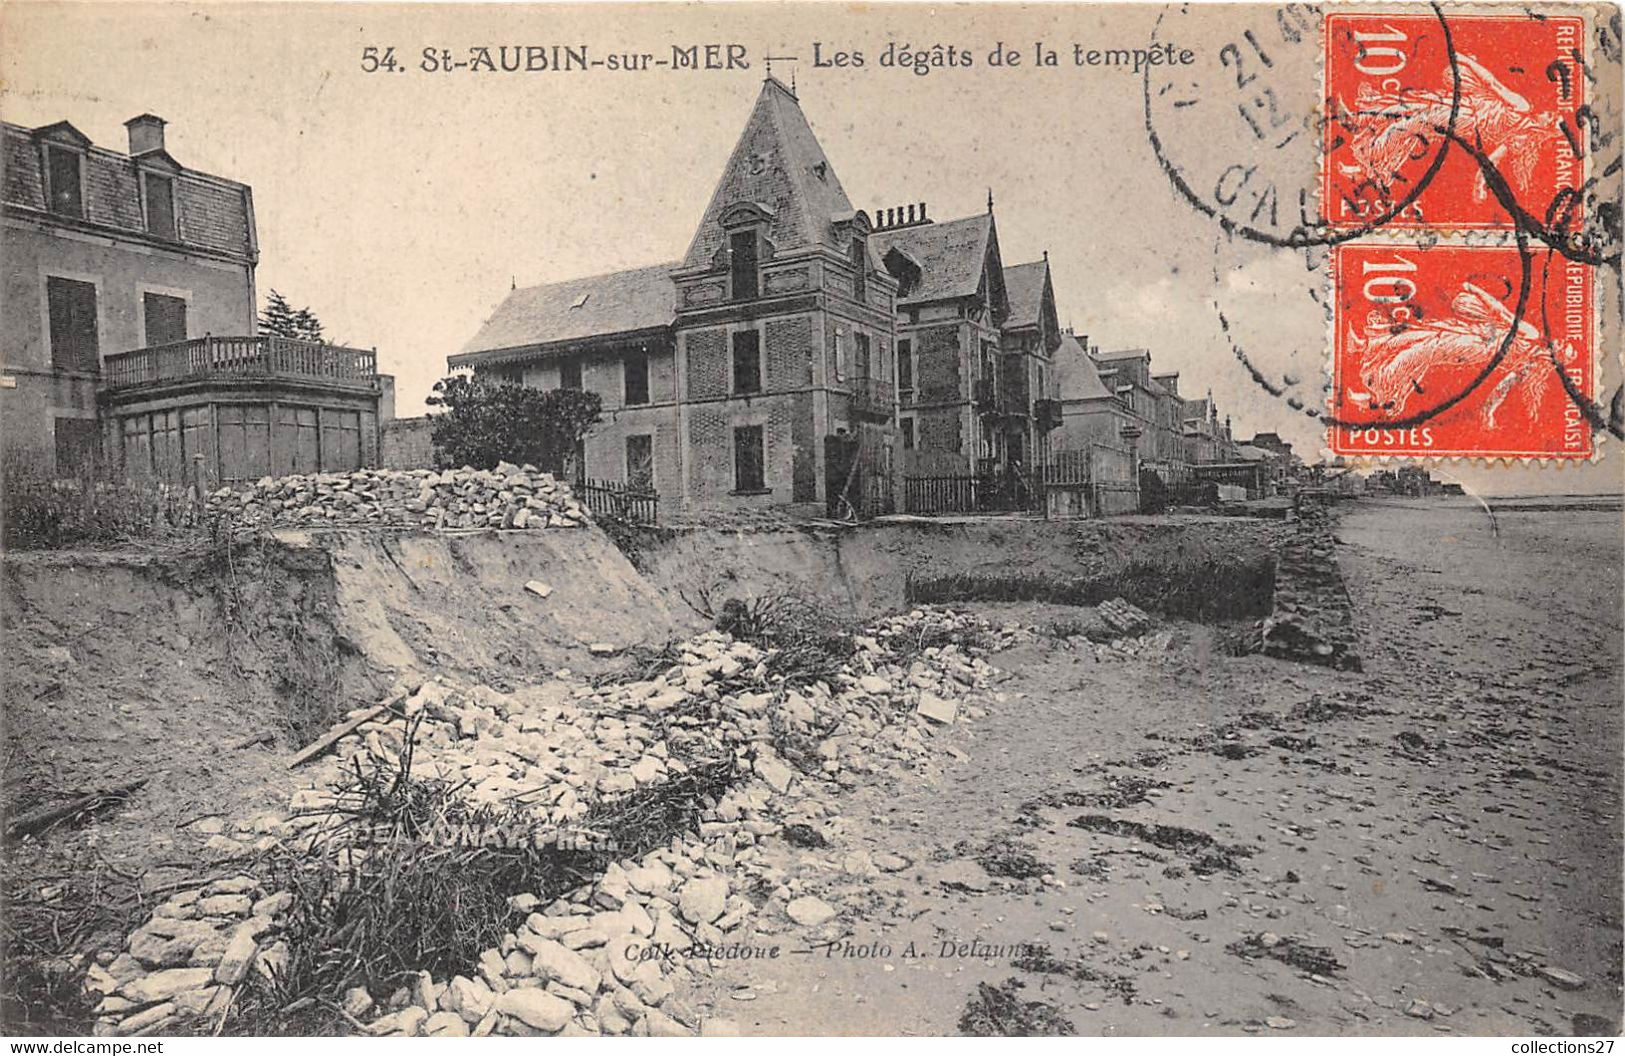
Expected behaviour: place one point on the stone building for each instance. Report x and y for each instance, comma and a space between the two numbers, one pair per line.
1029, 340
951, 304
758, 368
1207, 438
1154, 403
130, 324
1090, 413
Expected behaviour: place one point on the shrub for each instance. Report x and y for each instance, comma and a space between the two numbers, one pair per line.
806, 640
384, 895
486, 422
94, 505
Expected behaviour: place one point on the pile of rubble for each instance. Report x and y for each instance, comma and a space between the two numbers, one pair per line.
506, 497
608, 957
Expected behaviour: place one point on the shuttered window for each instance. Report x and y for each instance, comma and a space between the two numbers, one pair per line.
76, 445
165, 319
74, 344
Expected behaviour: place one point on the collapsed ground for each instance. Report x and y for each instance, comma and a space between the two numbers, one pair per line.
1153, 837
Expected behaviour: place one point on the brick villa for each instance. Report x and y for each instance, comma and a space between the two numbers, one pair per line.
801, 355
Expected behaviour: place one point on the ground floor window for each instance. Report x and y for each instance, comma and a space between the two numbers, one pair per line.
76, 445
749, 459
907, 427
640, 461
235, 442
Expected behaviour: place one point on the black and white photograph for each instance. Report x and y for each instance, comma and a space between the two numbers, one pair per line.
806, 519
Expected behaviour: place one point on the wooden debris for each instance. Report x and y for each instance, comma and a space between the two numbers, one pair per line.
41, 818
332, 737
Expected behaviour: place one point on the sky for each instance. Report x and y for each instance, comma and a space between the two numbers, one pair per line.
401, 206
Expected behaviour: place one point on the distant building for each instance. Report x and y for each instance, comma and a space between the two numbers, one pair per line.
1272, 443
1155, 404
130, 335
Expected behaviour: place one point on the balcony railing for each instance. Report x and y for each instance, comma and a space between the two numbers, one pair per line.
874, 395
268, 357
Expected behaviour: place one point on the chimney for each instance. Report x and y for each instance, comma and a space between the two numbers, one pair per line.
901, 216
146, 133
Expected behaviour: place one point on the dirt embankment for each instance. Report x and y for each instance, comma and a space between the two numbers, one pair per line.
1207, 567
163, 664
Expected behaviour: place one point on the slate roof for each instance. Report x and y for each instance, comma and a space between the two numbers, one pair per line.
212, 214
578, 309
950, 255
1075, 375
1024, 284
1124, 353
779, 164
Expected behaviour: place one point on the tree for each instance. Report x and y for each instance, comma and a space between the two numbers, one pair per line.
281, 319
307, 326
486, 421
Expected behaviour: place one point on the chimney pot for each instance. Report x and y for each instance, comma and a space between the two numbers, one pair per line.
911, 214
146, 133
922, 212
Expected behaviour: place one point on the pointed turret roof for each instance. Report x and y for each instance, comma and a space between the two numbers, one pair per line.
1076, 376
778, 166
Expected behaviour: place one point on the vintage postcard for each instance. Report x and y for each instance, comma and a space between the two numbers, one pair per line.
808, 519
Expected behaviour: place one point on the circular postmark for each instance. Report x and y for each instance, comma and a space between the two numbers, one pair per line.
1299, 138
1241, 137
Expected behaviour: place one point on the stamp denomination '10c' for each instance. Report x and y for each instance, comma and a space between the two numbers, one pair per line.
1433, 357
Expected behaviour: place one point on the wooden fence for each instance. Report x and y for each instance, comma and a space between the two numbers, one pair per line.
971, 493
622, 502
1094, 482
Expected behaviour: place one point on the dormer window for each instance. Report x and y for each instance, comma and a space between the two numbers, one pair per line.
160, 194
745, 226
860, 269
744, 265
63, 187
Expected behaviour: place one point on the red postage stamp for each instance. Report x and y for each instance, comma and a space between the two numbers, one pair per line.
1509, 90
1417, 334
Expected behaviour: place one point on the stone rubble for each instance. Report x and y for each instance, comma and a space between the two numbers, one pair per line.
1312, 619
506, 497
574, 966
